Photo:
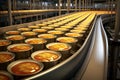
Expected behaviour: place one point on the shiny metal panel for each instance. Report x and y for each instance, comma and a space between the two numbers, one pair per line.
95, 66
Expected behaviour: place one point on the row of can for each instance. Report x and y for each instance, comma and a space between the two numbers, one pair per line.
63, 45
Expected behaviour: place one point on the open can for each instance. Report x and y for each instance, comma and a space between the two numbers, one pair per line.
49, 37
21, 51
63, 48
3, 44
47, 28
33, 27
41, 24
62, 29
57, 33
29, 34
4, 75
24, 29
9, 33
16, 38
70, 40
76, 35
48, 57
24, 67
40, 31
5, 59
38, 43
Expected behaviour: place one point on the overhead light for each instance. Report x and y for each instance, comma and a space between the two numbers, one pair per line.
60, 4
56, 4
71, 4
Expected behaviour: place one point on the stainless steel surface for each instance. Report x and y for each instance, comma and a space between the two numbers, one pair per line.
95, 66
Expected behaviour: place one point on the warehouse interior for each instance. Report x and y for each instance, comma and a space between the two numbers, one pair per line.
84, 34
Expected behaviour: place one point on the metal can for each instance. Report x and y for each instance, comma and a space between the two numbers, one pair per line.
48, 57
49, 37
57, 33
16, 38
70, 40
37, 43
63, 48
3, 44
21, 51
4, 75
5, 59
24, 67
29, 34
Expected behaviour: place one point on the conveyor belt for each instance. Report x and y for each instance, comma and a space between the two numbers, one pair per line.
67, 69
68, 20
